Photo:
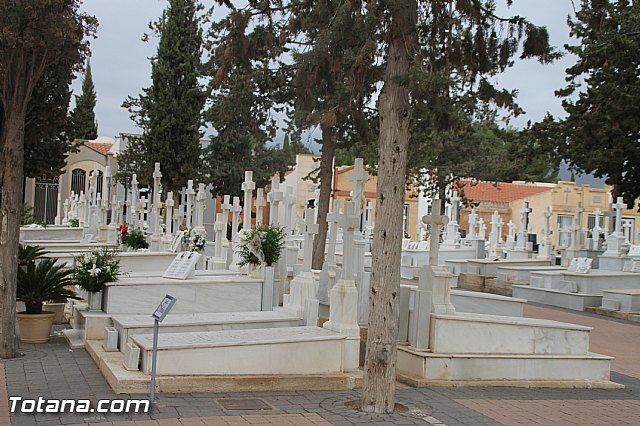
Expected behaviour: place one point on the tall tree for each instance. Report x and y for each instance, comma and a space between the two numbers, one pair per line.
170, 111
601, 132
83, 117
35, 36
465, 38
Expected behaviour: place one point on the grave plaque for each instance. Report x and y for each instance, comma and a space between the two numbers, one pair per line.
183, 266
634, 251
580, 265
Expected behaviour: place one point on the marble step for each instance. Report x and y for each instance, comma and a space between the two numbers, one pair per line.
130, 325
621, 300
554, 369
573, 301
286, 350
465, 333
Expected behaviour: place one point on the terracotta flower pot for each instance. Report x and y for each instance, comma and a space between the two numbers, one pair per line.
35, 328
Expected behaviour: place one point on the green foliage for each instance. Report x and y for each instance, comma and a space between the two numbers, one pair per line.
134, 239
170, 111
261, 245
601, 132
26, 214
93, 270
83, 117
74, 222
41, 279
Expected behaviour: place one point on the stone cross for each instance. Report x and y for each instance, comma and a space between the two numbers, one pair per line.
157, 203
455, 200
106, 186
201, 198
133, 202
626, 230
512, 229
65, 220
524, 226
169, 203
436, 221
247, 187
235, 217
473, 218
618, 206
309, 229
226, 208
575, 226
289, 202
495, 236
597, 230
482, 229
190, 195
275, 197
260, 205
141, 208
220, 231
102, 208
349, 222
58, 218
333, 219
93, 185
358, 177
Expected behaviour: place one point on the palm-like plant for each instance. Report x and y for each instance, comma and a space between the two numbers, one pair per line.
41, 279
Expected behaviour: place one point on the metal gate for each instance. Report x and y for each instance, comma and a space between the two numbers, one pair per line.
45, 200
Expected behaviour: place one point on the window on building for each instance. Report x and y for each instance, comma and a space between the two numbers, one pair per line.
405, 219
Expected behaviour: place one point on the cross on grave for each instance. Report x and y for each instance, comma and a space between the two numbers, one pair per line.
333, 219
190, 195
260, 205
575, 226
219, 229
482, 229
349, 222
226, 208
597, 230
65, 219
618, 206
275, 197
436, 222
309, 229
133, 202
358, 177
626, 230
247, 187
235, 216
473, 218
169, 203
201, 198
454, 207
512, 229
157, 203
289, 202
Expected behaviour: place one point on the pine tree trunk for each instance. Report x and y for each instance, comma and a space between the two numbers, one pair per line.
12, 141
326, 182
378, 393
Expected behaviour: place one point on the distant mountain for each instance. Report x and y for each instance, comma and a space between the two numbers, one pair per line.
565, 174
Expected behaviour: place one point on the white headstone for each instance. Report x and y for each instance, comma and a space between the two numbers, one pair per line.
247, 187
275, 198
260, 205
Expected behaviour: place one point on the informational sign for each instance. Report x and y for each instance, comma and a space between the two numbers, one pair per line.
164, 307
183, 266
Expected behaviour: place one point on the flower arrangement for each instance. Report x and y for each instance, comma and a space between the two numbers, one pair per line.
74, 222
194, 240
93, 270
134, 239
261, 245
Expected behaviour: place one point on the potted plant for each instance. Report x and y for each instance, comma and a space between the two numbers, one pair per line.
93, 271
40, 279
261, 246
74, 222
194, 240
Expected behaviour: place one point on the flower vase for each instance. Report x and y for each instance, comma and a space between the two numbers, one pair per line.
95, 301
256, 271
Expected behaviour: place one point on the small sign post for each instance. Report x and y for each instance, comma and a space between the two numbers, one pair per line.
161, 311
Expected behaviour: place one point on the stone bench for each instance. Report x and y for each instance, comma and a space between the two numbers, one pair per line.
275, 351
130, 325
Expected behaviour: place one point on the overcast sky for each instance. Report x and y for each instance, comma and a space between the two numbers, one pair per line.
121, 67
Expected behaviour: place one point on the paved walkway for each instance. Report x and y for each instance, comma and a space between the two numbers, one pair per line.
54, 371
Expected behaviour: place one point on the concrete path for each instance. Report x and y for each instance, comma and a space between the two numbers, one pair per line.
54, 371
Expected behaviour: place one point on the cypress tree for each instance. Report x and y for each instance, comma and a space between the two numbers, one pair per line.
83, 116
170, 111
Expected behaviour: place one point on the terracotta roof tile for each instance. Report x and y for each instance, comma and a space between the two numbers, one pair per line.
102, 148
500, 192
